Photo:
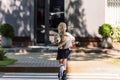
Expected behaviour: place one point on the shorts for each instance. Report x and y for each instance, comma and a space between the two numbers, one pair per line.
63, 53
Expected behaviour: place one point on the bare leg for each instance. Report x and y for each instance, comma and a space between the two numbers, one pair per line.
64, 62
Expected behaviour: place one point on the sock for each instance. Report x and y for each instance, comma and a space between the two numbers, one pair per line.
62, 68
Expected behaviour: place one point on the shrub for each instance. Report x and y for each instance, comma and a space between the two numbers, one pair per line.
7, 30
106, 30
116, 34
2, 53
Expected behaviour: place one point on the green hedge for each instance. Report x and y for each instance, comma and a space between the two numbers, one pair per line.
116, 34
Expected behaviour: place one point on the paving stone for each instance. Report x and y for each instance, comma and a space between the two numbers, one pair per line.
80, 59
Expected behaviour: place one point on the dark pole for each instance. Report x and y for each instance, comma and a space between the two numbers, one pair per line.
46, 22
35, 22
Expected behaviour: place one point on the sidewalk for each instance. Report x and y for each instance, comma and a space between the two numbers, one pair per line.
82, 60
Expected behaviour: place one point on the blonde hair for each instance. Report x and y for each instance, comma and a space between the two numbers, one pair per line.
62, 30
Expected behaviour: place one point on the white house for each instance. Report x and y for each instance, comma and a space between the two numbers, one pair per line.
38, 19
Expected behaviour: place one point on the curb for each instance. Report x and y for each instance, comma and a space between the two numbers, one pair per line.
30, 69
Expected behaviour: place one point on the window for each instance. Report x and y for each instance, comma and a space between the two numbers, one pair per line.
113, 3
56, 12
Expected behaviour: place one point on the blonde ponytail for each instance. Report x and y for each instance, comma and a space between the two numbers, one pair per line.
62, 30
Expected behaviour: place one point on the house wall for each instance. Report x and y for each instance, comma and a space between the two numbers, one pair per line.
84, 16
112, 12
19, 13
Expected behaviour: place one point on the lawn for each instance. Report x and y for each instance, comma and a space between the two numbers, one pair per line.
7, 61
116, 61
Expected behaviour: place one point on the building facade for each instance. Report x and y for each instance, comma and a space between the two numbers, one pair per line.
38, 19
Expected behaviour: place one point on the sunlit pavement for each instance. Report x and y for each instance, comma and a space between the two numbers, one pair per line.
84, 61
84, 64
